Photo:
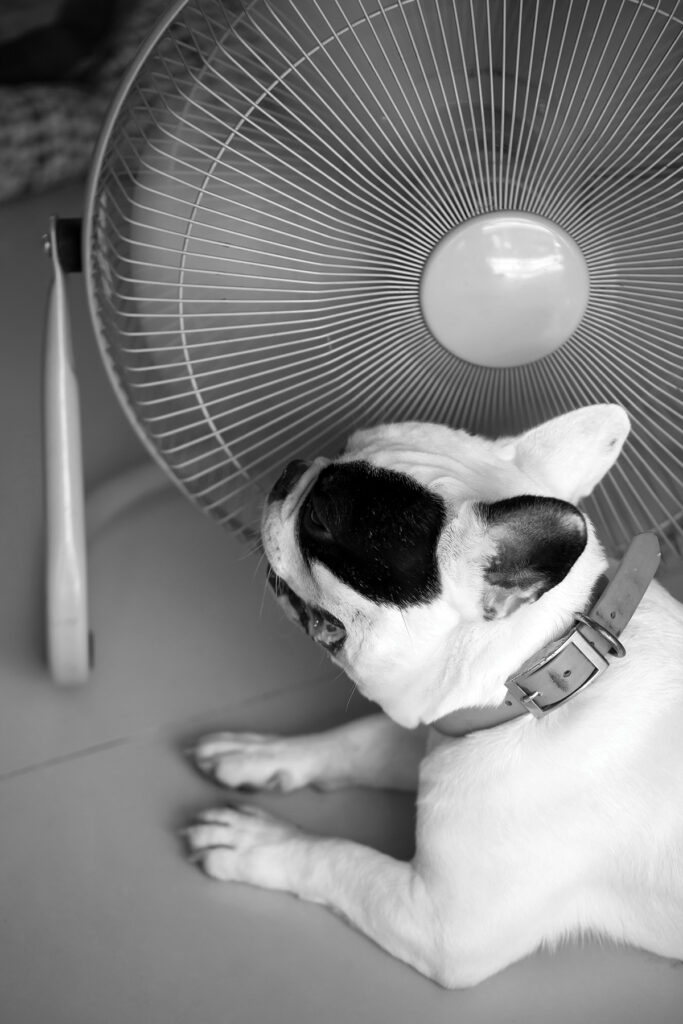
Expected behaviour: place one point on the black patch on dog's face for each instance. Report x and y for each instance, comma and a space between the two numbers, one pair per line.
376, 530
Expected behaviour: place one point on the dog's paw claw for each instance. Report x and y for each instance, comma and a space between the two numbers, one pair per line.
205, 765
197, 857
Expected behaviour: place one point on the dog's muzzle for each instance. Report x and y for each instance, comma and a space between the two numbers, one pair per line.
319, 624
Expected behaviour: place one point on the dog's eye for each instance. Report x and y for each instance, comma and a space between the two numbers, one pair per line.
314, 522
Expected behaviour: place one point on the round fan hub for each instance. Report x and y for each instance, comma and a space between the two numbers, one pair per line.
504, 289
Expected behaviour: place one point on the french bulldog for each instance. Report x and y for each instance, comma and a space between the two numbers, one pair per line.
433, 565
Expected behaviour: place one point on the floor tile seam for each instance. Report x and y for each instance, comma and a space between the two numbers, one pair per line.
165, 729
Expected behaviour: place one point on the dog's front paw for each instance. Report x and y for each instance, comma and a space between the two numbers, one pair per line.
243, 843
253, 761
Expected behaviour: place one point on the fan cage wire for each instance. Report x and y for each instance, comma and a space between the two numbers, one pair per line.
273, 176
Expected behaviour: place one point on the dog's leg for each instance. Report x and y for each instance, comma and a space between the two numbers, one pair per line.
371, 751
384, 898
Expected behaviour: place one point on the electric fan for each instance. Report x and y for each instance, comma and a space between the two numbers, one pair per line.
305, 216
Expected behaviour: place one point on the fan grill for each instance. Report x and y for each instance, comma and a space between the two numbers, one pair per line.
276, 175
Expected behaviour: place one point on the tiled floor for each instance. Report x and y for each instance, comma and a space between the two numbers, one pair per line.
101, 919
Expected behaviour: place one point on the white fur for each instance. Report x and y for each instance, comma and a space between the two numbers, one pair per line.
526, 833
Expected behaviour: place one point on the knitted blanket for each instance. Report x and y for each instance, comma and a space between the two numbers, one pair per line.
48, 129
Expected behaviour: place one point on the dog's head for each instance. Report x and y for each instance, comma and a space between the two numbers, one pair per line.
419, 538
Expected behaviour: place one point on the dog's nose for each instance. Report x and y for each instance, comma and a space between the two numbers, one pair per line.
292, 472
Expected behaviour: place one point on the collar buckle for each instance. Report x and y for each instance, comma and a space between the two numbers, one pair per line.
570, 680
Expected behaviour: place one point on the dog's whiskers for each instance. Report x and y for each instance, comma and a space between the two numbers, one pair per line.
261, 559
253, 548
258, 569
350, 697
263, 598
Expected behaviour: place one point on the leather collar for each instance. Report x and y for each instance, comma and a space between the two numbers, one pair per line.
564, 667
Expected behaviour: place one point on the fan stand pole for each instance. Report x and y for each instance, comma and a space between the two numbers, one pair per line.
67, 632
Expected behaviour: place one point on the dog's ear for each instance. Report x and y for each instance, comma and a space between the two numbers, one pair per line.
572, 453
529, 546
